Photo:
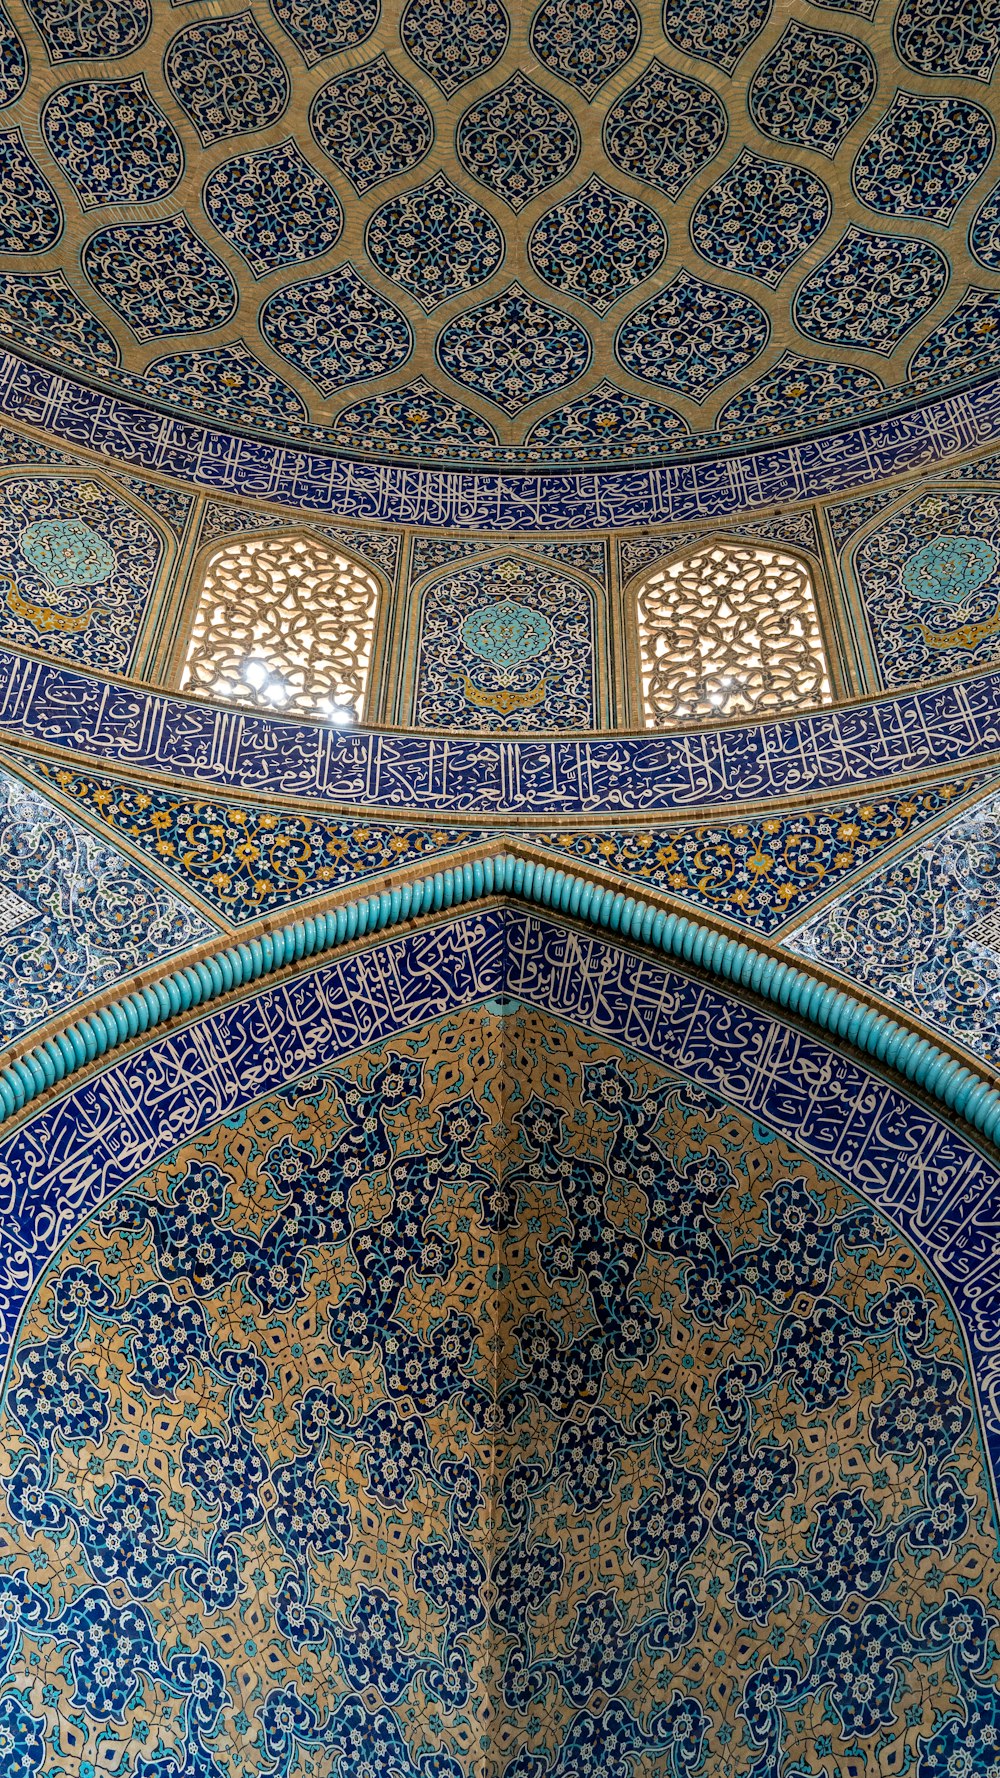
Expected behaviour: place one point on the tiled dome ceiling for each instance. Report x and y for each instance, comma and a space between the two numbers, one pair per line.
464, 231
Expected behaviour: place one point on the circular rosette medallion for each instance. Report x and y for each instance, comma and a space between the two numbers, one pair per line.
67, 552
506, 634
948, 569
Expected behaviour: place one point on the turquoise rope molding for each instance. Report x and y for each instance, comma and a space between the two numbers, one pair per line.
963, 1092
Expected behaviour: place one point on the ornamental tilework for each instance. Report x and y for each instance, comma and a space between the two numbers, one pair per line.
435, 242
160, 277
692, 336
172, 505
514, 349
585, 41
947, 37
13, 61
454, 41
718, 31
113, 142
437, 552
518, 141
31, 218
273, 207
912, 932
963, 344
96, 919
764, 873
336, 329
245, 861
508, 646
597, 245
924, 156
402, 418
798, 390
812, 88
372, 124
929, 584
379, 548
664, 129
78, 566
613, 419
760, 216
41, 311
796, 528
326, 30
78, 30
337, 1438
870, 290
228, 380
845, 520
226, 76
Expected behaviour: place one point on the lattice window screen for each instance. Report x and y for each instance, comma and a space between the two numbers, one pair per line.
284, 623
732, 630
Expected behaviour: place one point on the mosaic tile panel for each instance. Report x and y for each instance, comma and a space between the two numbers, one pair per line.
372, 123
31, 216
243, 860
113, 142
95, 919
160, 277
273, 207
518, 141
78, 566
271, 1385
514, 350
436, 552
812, 88
506, 645
454, 41
13, 61
664, 129
759, 217
765, 872
226, 76
336, 329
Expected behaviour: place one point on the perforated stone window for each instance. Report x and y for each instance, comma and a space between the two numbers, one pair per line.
731, 630
284, 623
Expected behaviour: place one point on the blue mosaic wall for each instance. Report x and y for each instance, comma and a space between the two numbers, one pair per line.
508, 645
78, 567
84, 917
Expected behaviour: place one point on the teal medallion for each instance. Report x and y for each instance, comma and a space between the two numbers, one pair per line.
948, 569
67, 552
507, 633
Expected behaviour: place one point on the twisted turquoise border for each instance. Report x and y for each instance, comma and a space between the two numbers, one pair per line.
839, 1014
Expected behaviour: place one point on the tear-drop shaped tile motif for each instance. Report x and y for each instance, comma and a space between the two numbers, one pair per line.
518, 141
336, 330
585, 41
964, 344
228, 380
113, 142
960, 37
597, 245
870, 290
41, 311
799, 391
372, 124
90, 30
31, 217
692, 336
455, 41
273, 207
760, 217
13, 61
664, 129
718, 31
607, 419
812, 88
434, 241
160, 277
923, 157
226, 76
411, 419
325, 30
514, 349
984, 235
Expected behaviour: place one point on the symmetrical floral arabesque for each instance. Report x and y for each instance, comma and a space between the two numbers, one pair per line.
664, 129
336, 329
434, 241
78, 567
160, 277
365, 1424
273, 207
226, 76
514, 349
947, 37
326, 30
760, 216
598, 245
812, 88
372, 124
96, 30
870, 290
228, 380
585, 41
31, 218
606, 416
518, 141
798, 391
454, 41
924, 156
692, 336
39, 310
963, 345
113, 142
399, 418
719, 31
13, 61
507, 645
